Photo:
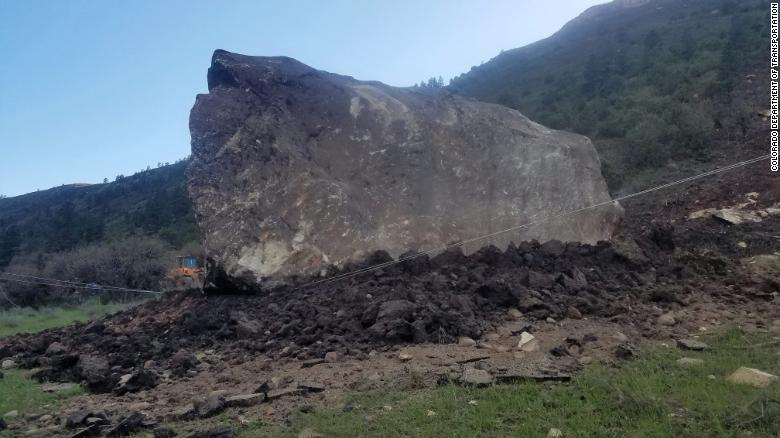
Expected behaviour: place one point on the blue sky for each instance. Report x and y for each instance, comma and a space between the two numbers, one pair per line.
93, 89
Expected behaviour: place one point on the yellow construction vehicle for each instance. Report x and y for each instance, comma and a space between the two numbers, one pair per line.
187, 275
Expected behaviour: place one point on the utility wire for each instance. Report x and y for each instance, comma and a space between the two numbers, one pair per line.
67, 282
534, 222
54, 283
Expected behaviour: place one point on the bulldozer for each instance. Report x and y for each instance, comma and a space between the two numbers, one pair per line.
187, 275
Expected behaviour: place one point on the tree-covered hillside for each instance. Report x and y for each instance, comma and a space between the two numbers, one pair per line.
152, 203
644, 79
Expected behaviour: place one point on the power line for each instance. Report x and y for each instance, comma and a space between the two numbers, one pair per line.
53, 283
67, 282
534, 222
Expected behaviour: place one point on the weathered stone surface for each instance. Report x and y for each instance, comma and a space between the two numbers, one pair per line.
692, 344
752, 377
476, 377
294, 169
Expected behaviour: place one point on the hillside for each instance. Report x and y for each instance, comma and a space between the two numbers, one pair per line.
119, 233
651, 81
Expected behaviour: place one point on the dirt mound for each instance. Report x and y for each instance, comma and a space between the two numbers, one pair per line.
416, 301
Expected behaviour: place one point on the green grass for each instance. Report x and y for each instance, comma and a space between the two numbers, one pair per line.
648, 397
28, 320
18, 392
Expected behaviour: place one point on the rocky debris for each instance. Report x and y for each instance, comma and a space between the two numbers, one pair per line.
690, 362
56, 348
404, 357
528, 342
667, 319
692, 344
279, 144
136, 381
8, 364
209, 406
11, 414
183, 361
438, 305
219, 431
475, 377
752, 377
95, 372
81, 417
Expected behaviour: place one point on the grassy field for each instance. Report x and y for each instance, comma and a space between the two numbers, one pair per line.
19, 393
27, 320
652, 396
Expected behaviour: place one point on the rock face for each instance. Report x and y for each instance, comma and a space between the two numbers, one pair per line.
294, 169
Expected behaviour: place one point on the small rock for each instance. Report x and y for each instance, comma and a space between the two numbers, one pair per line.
333, 356
528, 342
11, 414
212, 405
476, 377
8, 364
585, 360
573, 313
405, 357
45, 418
554, 433
430, 413
473, 402
56, 348
464, 341
620, 337
711, 376
551, 320
667, 319
690, 362
491, 337
742, 244
692, 344
752, 377
387, 408
514, 313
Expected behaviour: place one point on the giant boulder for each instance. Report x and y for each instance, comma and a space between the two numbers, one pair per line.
295, 168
